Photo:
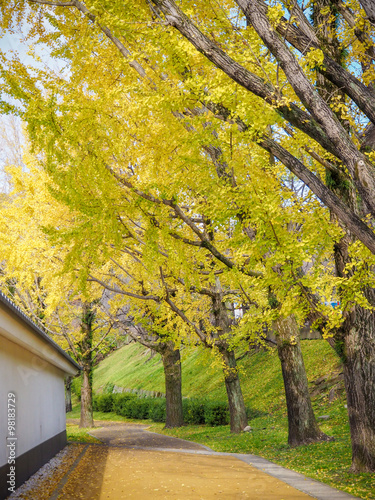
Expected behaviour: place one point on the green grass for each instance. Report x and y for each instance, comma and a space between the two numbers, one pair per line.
262, 385
74, 434
130, 367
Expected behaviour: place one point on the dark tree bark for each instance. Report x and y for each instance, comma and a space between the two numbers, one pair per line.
369, 8
86, 419
237, 409
355, 344
355, 340
172, 372
87, 367
68, 394
302, 425
305, 40
359, 376
222, 322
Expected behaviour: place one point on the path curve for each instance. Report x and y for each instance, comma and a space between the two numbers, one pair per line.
137, 436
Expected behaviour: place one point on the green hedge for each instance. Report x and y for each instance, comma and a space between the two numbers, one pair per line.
194, 411
129, 405
157, 411
120, 402
216, 413
138, 408
103, 402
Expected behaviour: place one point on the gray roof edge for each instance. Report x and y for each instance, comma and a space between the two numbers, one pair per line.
18, 312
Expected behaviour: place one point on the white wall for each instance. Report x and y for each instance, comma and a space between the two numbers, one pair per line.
40, 400
18, 331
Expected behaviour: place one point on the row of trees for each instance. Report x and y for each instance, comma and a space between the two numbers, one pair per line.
196, 158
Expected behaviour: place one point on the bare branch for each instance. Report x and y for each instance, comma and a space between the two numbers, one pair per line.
155, 298
101, 339
54, 4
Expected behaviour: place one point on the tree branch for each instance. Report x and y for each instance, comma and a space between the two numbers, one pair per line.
155, 298
348, 217
54, 4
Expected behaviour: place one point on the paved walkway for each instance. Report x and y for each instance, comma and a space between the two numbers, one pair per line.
135, 463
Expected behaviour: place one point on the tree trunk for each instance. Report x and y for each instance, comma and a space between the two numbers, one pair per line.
359, 375
302, 425
237, 409
68, 394
354, 341
87, 365
369, 8
86, 397
223, 325
355, 344
172, 371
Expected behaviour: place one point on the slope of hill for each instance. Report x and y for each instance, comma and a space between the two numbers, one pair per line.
133, 367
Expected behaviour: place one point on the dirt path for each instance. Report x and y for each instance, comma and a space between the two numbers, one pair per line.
135, 463
143, 474
137, 436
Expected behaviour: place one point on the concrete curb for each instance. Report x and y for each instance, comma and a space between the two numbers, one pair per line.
300, 482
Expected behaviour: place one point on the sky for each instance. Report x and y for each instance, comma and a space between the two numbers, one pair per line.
10, 126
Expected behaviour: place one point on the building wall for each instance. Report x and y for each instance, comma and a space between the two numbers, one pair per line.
33, 368
40, 413
24, 333
40, 399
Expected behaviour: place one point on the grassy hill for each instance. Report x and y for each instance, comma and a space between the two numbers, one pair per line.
132, 367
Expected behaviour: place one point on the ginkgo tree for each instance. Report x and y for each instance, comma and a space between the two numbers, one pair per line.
303, 427
33, 276
252, 93
221, 321
171, 307
135, 306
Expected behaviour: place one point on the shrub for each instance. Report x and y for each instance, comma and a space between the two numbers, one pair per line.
193, 411
157, 411
120, 400
103, 403
95, 402
138, 408
216, 413
76, 387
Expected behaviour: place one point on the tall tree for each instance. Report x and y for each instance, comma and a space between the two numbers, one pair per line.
33, 276
171, 358
353, 338
279, 92
159, 326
